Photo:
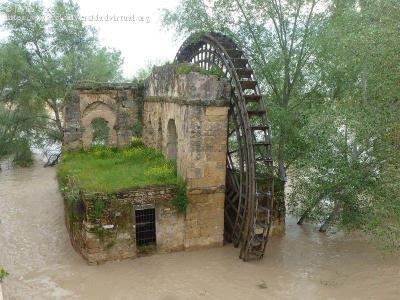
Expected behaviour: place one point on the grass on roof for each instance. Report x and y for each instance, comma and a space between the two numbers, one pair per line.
111, 170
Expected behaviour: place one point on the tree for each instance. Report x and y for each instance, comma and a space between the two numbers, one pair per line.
59, 50
330, 75
16, 122
355, 165
277, 37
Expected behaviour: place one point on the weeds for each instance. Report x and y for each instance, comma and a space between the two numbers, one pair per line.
110, 170
180, 202
3, 274
99, 231
262, 285
137, 142
97, 210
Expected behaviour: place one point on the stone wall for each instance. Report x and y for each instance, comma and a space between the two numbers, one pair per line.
118, 105
109, 233
197, 105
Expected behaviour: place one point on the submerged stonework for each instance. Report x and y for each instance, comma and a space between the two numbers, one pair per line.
102, 225
118, 105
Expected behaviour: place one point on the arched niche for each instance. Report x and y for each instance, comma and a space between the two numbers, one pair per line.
172, 140
94, 111
100, 132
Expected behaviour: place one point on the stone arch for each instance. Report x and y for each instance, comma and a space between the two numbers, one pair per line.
172, 140
98, 110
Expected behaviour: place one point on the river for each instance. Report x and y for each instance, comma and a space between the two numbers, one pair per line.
304, 264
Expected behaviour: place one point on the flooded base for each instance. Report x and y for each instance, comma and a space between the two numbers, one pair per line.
304, 264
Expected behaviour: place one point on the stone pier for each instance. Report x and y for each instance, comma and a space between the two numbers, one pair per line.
185, 116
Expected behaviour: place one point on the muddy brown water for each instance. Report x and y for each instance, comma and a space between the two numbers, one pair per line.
304, 264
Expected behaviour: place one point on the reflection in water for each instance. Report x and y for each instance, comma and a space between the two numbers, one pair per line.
35, 249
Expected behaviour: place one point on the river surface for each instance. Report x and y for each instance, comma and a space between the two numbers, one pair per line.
304, 264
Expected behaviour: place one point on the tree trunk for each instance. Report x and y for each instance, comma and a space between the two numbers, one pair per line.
279, 214
307, 212
324, 227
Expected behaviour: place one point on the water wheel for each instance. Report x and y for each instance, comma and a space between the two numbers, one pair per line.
249, 174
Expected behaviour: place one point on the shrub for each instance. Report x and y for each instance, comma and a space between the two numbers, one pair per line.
137, 129
3, 274
97, 209
100, 132
162, 172
99, 231
180, 202
70, 189
23, 155
184, 69
137, 142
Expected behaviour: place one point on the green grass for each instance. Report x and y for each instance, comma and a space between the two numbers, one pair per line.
111, 170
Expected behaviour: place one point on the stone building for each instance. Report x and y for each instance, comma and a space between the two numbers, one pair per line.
117, 105
183, 115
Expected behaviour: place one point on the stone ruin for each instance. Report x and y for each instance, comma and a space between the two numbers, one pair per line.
117, 104
185, 117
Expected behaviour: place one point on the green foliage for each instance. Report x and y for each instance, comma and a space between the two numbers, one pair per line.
263, 285
331, 77
146, 249
184, 69
110, 170
181, 201
187, 68
3, 274
100, 132
137, 130
99, 231
23, 154
97, 209
16, 123
161, 172
69, 188
137, 142
38, 60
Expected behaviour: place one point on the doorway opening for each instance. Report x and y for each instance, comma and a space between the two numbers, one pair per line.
145, 229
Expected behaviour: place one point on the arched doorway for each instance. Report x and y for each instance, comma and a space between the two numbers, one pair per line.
172, 140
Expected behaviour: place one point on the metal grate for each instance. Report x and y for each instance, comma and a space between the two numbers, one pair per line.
145, 227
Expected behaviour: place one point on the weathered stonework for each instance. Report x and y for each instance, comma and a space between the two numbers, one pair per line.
110, 233
197, 106
118, 105
185, 116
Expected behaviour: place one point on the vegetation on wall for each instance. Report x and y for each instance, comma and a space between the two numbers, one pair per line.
187, 68
180, 202
110, 170
3, 274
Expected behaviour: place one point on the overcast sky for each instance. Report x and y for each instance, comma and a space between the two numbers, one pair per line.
141, 42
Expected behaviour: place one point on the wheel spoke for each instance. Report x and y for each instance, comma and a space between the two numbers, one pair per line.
247, 209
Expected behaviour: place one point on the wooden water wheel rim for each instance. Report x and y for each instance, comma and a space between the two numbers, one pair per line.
249, 195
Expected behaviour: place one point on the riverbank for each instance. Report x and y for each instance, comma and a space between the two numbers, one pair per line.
305, 264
